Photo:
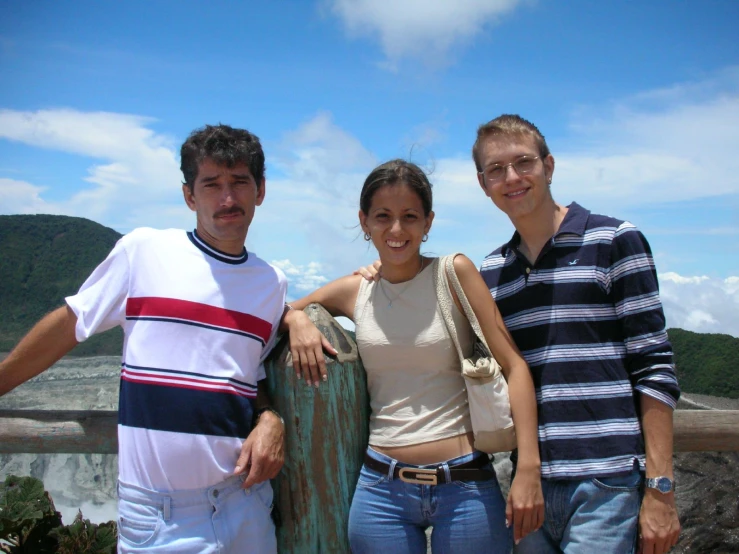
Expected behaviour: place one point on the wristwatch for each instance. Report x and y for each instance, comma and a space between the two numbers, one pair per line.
260, 411
662, 484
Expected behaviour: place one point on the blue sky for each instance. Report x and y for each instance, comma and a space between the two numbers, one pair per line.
639, 102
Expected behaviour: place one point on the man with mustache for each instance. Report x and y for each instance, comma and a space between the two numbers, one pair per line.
198, 442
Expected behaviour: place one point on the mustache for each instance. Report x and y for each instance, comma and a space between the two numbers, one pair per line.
229, 211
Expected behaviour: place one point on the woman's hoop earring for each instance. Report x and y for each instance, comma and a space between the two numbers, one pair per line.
425, 237
367, 236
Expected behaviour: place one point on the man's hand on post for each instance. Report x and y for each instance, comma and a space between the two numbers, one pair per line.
263, 452
307, 345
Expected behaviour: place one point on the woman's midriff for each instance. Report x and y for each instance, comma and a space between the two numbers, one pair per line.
430, 452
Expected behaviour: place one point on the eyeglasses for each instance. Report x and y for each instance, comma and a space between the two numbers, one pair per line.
522, 166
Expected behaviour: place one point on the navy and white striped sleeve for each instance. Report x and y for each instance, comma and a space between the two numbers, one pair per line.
635, 292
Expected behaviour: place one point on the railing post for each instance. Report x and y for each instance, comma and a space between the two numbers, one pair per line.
326, 436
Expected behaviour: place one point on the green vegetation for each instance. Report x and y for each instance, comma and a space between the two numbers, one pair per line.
706, 363
29, 523
44, 258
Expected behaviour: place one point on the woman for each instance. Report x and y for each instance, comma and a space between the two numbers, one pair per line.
420, 417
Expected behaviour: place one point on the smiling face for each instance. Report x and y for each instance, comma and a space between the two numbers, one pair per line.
519, 196
224, 199
396, 222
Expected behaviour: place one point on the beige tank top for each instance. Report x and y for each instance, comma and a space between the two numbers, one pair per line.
416, 389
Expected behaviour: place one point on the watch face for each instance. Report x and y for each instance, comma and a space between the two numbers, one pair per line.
664, 485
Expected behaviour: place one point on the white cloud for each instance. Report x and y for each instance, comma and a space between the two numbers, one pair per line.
648, 149
421, 29
305, 278
667, 145
97, 134
313, 204
138, 166
701, 304
20, 197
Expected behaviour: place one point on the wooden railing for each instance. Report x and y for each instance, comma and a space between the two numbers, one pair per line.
94, 432
326, 434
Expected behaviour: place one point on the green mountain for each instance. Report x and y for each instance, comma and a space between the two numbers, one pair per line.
706, 363
44, 258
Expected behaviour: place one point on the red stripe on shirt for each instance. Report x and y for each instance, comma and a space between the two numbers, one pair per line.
135, 379
190, 382
151, 306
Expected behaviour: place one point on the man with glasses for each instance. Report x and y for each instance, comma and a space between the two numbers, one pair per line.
579, 294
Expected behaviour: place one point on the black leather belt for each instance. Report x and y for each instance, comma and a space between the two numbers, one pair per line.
468, 471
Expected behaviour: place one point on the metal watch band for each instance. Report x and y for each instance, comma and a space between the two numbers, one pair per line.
662, 484
260, 411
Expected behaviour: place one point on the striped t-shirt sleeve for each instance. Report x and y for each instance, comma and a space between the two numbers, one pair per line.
632, 279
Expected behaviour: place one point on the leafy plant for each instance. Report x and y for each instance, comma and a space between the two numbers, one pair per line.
30, 524
83, 536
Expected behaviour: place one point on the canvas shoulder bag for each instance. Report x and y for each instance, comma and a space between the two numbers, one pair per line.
487, 389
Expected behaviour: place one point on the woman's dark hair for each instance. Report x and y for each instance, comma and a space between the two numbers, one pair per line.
225, 146
395, 172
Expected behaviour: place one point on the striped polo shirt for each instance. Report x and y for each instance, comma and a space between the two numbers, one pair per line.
588, 320
197, 322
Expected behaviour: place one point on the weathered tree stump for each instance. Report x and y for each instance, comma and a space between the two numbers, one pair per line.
326, 436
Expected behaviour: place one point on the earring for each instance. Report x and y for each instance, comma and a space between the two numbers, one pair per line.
367, 236
549, 181
425, 237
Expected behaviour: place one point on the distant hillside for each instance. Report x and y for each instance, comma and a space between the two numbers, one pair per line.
706, 363
44, 258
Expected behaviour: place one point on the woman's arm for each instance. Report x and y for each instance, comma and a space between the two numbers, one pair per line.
306, 341
525, 508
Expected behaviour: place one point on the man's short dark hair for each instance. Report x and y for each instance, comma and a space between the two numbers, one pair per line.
509, 125
225, 146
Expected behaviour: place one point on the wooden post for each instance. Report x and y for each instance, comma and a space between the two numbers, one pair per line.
326, 436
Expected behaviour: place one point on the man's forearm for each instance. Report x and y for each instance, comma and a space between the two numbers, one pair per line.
658, 436
263, 406
659, 525
50, 339
262, 400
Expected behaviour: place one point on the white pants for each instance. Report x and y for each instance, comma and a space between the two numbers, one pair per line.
222, 519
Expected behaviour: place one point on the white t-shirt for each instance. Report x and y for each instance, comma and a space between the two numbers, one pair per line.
197, 323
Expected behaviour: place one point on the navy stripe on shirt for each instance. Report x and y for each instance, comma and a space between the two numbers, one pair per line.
588, 320
184, 410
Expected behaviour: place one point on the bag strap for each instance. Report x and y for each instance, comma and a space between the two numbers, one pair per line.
445, 300
471, 317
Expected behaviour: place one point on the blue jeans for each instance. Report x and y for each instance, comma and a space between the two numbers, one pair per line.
589, 515
390, 516
222, 519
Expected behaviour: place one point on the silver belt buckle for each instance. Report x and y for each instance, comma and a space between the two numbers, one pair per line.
420, 476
